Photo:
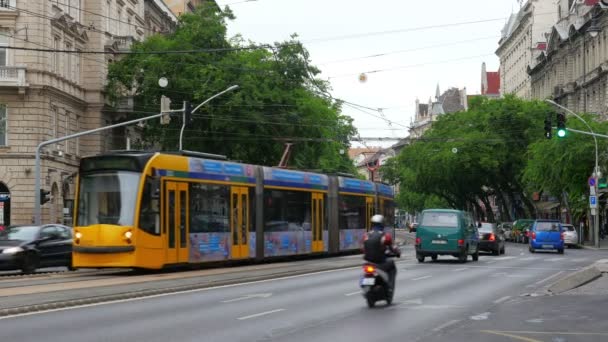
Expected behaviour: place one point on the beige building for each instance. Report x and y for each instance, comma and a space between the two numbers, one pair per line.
522, 39
451, 101
187, 6
573, 69
50, 94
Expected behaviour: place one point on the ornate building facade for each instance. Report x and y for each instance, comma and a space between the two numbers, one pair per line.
49, 94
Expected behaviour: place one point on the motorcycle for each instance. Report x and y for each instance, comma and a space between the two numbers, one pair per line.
375, 284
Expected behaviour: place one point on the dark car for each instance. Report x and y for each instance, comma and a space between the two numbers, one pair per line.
491, 238
29, 247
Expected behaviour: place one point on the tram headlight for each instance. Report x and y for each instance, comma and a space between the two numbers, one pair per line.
78, 235
128, 235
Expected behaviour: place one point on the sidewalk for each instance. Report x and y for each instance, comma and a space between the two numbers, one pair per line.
603, 246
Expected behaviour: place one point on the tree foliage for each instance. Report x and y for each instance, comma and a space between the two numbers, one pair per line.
278, 100
467, 158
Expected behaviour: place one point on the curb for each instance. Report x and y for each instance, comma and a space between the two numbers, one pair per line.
575, 280
152, 292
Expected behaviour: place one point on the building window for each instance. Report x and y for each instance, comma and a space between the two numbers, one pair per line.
55, 55
67, 131
119, 20
55, 122
77, 152
68, 61
108, 17
3, 125
3, 43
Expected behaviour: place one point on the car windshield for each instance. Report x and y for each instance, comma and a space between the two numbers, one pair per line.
547, 226
439, 219
108, 198
23, 233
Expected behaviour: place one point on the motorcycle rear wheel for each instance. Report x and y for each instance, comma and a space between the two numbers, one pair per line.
370, 302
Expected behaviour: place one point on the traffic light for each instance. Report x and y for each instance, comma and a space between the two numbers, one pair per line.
187, 112
561, 125
45, 196
548, 127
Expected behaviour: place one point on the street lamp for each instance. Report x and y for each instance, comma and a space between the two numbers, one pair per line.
596, 171
181, 133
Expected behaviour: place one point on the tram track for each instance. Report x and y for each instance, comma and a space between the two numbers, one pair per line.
60, 277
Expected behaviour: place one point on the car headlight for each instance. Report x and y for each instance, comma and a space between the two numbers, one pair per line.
12, 250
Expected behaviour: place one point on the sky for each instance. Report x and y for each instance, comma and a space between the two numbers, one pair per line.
418, 51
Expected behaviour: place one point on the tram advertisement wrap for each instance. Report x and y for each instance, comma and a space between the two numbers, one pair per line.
351, 238
209, 246
289, 243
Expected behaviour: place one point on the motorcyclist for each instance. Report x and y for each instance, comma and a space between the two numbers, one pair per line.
376, 244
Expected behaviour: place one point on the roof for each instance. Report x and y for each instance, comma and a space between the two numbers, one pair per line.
451, 101
493, 83
353, 152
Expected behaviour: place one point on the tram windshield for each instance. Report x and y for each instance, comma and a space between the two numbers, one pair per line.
108, 198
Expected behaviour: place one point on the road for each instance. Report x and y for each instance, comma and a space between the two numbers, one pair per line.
431, 299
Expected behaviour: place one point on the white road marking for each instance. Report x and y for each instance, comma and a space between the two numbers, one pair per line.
504, 258
420, 278
481, 316
529, 259
260, 314
446, 324
490, 262
251, 296
500, 300
578, 259
417, 301
459, 269
352, 293
555, 259
549, 278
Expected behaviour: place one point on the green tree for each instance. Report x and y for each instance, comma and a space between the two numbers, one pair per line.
279, 98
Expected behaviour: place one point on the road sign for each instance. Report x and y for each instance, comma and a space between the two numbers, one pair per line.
592, 191
592, 202
591, 181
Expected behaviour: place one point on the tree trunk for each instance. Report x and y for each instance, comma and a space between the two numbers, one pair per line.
488, 207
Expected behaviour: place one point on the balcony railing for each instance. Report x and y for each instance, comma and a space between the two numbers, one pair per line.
13, 76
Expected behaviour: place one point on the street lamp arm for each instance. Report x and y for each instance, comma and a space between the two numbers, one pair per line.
181, 132
214, 96
596, 170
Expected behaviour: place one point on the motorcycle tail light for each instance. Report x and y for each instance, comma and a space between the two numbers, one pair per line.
369, 269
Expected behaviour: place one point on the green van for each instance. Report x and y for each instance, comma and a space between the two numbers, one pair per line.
446, 232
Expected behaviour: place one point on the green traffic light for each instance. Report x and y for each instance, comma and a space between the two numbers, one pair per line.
561, 133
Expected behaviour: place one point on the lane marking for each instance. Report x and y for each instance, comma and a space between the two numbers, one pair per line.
504, 258
529, 258
446, 324
420, 278
500, 300
480, 317
516, 337
548, 332
549, 278
178, 293
578, 259
459, 269
251, 296
260, 314
490, 262
515, 267
352, 293
555, 259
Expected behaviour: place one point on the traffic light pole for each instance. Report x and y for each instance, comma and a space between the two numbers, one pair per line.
596, 172
37, 205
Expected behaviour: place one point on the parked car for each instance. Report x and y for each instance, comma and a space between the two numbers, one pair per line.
447, 232
413, 227
570, 235
547, 235
29, 247
491, 238
507, 229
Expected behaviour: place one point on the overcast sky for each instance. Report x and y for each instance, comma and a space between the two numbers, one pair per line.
448, 56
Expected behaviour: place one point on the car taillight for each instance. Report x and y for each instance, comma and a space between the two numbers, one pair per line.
561, 236
533, 235
526, 233
492, 237
418, 240
461, 242
369, 269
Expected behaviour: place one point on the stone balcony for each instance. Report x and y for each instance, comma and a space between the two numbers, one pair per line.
13, 77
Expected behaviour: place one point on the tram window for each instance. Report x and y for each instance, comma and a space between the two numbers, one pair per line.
287, 210
352, 212
209, 208
149, 211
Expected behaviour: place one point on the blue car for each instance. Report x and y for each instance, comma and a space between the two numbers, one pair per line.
546, 235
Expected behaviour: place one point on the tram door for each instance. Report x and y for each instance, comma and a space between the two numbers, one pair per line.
239, 222
176, 221
369, 210
318, 222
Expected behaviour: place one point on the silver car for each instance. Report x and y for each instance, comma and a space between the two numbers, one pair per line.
570, 235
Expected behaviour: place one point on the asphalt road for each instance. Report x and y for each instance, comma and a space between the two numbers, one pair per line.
431, 300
